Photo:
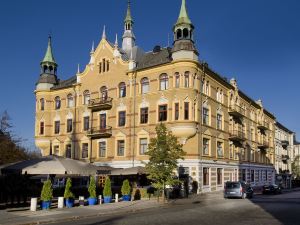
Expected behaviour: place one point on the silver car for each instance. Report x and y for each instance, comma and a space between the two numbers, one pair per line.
236, 189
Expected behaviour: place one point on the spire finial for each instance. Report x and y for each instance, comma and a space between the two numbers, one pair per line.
78, 68
104, 33
49, 55
116, 41
183, 15
93, 48
128, 17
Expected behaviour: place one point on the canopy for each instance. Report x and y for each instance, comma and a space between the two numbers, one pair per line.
52, 165
129, 171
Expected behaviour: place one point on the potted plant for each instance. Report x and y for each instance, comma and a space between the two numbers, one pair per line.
46, 195
107, 191
68, 195
126, 190
92, 190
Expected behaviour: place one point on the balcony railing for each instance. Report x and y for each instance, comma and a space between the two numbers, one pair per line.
237, 135
263, 125
100, 132
98, 104
236, 110
285, 143
262, 143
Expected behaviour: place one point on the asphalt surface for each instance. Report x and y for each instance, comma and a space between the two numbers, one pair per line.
212, 209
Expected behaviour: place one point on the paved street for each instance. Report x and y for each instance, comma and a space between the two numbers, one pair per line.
213, 209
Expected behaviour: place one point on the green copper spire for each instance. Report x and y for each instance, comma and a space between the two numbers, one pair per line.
128, 17
183, 15
49, 55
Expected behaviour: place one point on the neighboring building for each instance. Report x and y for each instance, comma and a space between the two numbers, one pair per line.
284, 154
107, 113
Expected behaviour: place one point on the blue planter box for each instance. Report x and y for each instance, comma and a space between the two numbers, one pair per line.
107, 199
92, 201
46, 205
69, 202
126, 198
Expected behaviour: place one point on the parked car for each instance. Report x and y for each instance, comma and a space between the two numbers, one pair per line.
271, 189
237, 189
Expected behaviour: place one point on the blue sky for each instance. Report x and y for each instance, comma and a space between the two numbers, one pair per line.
255, 41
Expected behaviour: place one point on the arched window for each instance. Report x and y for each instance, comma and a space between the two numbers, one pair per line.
207, 88
221, 96
70, 100
122, 90
57, 102
177, 80
86, 97
42, 104
104, 92
179, 34
163, 81
145, 85
186, 79
218, 95
185, 33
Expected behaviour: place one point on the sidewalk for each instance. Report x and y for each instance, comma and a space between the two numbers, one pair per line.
24, 216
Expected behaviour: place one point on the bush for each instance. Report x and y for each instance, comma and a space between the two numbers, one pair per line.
68, 193
140, 193
47, 191
125, 188
107, 188
92, 187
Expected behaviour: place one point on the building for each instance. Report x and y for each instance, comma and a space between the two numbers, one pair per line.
107, 113
284, 154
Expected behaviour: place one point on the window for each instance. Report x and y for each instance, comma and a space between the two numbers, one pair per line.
42, 104
86, 97
69, 125
266, 175
206, 90
219, 176
243, 155
103, 63
42, 127
205, 119
176, 111
144, 115
252, 134
162, 113
122, 118
70, 101
145, 85
163, 81
56, 127
57, 102
86, 123
205, 146
177, 80
104, 93
252, 175
102, 149
56, 150
85, 150
220, 149
219, 121
102, 121
231, 149
143, 146
186, 110
203, 86
252, 155
122, 90
243, 175
121, 147
205, 176
186, 79
107, 65
68, 151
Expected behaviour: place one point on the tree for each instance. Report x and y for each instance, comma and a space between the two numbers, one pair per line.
125, 188
107, 188
68, 193
92, 187
163, 151
47, 191
296, 167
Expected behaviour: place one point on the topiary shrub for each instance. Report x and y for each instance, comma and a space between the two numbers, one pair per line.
92, 187
68, 193
47, 191
125, 188
107, 188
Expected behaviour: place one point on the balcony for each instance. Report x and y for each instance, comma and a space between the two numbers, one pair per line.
263, 144
285, 143
99, 132
99, 104
237, 135
285, 158
236, 110
263, 125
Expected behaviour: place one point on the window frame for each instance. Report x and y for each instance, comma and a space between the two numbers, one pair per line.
122, 90
121, 148
163, 82
186, 79
205, 176
84, 149
145, 85
207, 145
186, 110
66, 150
42, 104
69, 125
144, 116
162, 113
205, 116
57, 127
86, 123
143, 147
100, 149
42, 128
57, 102
176, 111
122, 118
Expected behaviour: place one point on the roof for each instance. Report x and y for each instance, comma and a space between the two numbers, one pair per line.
65, 83
280, 126
128, 17
183, 15
151, 59
49, 55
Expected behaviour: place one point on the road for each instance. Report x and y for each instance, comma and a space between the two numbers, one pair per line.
212, 209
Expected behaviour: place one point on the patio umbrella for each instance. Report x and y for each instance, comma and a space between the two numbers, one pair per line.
52, 165
129, 171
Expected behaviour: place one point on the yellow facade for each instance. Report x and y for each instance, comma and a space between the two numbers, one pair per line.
225, 134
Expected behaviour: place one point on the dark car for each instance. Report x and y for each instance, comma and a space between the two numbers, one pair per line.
237, 189
271, 189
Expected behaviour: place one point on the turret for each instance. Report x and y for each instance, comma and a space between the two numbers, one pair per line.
128, 36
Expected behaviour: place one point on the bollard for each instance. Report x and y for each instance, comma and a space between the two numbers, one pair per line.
33, 204
117, 197
100, 199
60, 204
81, 200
